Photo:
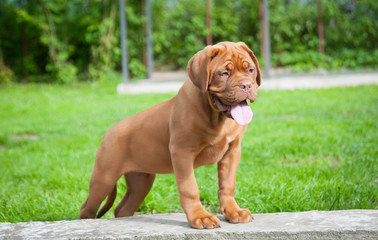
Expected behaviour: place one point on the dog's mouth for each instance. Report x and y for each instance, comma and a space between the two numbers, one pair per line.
240, 112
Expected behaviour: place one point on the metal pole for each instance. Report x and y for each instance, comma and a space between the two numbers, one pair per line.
125, 70
320, 27
261, 20
150, 53
266, 39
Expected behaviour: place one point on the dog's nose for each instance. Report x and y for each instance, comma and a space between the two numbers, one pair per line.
246, 86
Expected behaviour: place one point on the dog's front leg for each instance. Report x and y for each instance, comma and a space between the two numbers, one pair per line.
227, 168
187, 186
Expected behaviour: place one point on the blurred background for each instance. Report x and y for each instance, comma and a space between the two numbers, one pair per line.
78, 40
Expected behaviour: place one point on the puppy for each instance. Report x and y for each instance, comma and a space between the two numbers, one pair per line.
202, 125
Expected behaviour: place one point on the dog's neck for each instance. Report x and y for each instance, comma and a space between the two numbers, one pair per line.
217, 116
204, 102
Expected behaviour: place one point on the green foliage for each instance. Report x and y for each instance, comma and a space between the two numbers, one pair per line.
70, 40
181, 29
304, 150
184, 28
6, 74
103, 41
137, 69
350, 38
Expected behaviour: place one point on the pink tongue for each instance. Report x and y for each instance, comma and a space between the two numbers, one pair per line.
242, 113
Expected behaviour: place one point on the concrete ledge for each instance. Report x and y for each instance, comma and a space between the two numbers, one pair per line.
152, 87
349, 224
171, 82
320, 81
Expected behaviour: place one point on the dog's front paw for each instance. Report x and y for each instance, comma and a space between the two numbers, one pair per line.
204, 220
239, 215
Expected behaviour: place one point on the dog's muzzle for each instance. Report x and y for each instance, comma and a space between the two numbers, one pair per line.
240, 112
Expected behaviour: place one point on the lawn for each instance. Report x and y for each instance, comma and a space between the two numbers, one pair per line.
304, 150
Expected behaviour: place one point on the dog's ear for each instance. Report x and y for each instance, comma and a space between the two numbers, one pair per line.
199, 67
245, 47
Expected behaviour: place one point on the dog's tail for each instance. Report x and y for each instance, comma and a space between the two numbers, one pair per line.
109, 202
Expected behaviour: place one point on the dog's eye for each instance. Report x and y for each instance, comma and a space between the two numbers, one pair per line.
250, 70
224, 74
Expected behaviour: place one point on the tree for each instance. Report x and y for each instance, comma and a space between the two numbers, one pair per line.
59, 50
103, 42
55, 40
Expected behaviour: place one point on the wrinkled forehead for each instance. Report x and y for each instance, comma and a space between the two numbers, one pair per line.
232, 56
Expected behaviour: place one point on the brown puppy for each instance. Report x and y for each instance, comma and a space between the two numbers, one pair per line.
202, 125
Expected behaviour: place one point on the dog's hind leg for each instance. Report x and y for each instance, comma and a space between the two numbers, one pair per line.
100, 186
138, 186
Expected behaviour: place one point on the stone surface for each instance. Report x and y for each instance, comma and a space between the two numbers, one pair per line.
348, 224
172, 81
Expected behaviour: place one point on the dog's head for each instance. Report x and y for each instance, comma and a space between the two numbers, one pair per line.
229, 74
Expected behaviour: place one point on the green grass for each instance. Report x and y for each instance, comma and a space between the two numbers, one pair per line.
304, 150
